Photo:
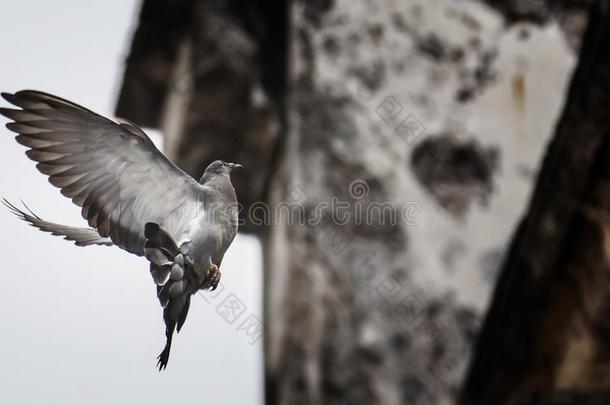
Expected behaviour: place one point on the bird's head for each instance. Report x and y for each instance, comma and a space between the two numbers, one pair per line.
219, 168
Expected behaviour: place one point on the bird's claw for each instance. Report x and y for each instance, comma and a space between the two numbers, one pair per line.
213, 278
162, 359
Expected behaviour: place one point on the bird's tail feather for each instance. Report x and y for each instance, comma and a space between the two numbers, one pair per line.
168, 267
80, 236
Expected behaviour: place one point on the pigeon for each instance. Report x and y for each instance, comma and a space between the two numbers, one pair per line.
131, 195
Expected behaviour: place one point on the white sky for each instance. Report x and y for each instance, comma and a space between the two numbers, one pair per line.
83, 325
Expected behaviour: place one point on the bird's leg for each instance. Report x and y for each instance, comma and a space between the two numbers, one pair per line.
213, 278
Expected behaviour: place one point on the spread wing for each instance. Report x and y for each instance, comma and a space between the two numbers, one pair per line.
112, 170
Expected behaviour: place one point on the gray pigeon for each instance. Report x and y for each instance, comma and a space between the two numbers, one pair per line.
131, 195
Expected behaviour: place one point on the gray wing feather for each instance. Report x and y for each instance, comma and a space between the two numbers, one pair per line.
80, 236
112, 170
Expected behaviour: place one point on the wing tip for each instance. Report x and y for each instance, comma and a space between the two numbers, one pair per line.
23, 98
11, 98
6, 111
13, 126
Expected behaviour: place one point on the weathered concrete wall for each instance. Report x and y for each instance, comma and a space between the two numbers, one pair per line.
437, 106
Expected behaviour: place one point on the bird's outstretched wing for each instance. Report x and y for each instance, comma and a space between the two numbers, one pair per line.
80, 236
112, 170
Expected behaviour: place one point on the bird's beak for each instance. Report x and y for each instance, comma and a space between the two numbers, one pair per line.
235, 165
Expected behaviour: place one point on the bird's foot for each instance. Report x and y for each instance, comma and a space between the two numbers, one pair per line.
163, 358
213, 278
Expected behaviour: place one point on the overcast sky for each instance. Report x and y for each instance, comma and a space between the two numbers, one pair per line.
83, 325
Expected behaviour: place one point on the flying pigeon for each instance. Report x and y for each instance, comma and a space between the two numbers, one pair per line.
131, 195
